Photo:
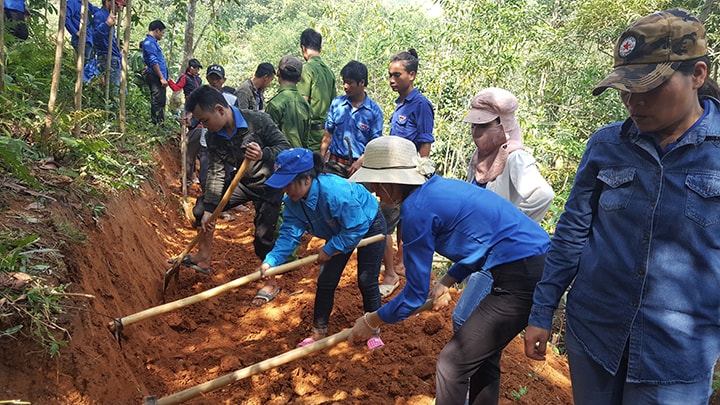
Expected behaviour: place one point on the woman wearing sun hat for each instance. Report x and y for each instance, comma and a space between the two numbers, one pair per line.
500, 164
331, 208
476, 229
639, 238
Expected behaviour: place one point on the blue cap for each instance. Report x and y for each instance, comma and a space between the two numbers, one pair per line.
288, 164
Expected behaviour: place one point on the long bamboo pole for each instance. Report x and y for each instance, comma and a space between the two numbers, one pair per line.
273, 271
257, 368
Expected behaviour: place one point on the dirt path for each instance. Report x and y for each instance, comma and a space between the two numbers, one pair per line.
123, 263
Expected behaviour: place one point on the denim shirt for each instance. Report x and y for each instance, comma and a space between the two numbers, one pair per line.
640, 236
475, 228
361, 125
335, 210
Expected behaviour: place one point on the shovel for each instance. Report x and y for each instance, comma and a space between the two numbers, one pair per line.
187, 207
175, 269
256, 368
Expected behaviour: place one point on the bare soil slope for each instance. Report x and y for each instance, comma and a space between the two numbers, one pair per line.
122, 264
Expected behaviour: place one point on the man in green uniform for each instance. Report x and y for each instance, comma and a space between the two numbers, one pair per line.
317, 85
289, 109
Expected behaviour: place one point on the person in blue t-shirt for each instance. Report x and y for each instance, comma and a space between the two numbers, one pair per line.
103, 24
353, 119
413, 119
477, 230
331, 208
156, 73
72, 24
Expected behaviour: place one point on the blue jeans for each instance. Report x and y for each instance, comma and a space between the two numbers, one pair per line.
115, 68
477, 286
593, 385
368, 269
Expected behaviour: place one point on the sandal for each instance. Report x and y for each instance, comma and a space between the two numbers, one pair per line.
306, 341
266, 296
387, 289
187, 263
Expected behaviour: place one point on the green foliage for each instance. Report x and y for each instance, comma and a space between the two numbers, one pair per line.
35, 307
516, 395
549, 54
11, 158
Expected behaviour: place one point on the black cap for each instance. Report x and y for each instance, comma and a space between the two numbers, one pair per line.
216, 70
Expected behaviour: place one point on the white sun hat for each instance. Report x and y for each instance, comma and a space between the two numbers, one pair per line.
393, 159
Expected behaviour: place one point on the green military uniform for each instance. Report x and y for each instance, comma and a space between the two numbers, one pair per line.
291, 114
318, 85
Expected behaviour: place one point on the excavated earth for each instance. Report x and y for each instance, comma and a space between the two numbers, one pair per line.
122, 264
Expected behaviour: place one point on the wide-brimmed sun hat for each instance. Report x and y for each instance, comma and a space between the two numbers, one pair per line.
493, 103
650, 50
392, 159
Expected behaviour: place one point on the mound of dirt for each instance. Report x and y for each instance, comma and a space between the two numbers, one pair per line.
123, 263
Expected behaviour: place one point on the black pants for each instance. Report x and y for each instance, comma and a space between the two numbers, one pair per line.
266, 201
15, 24
368, 269
158, 98
474, 351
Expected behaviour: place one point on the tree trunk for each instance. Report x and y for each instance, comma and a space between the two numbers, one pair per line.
2, 46
213, 14
108, 59
189, 34
188, 48
705, 11
124, 74
80, 64
59, 39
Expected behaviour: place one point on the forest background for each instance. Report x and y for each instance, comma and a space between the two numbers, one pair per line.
549, 53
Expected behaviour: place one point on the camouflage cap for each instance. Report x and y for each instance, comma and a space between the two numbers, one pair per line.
650, 50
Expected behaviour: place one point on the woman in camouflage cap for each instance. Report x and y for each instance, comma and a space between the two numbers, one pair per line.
639, 236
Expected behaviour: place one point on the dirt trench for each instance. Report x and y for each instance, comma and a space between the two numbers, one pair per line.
122, 264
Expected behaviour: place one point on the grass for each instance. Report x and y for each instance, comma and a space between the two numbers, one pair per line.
29, 305
521, 391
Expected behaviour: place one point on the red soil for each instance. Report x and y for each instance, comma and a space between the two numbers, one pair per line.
123, 263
